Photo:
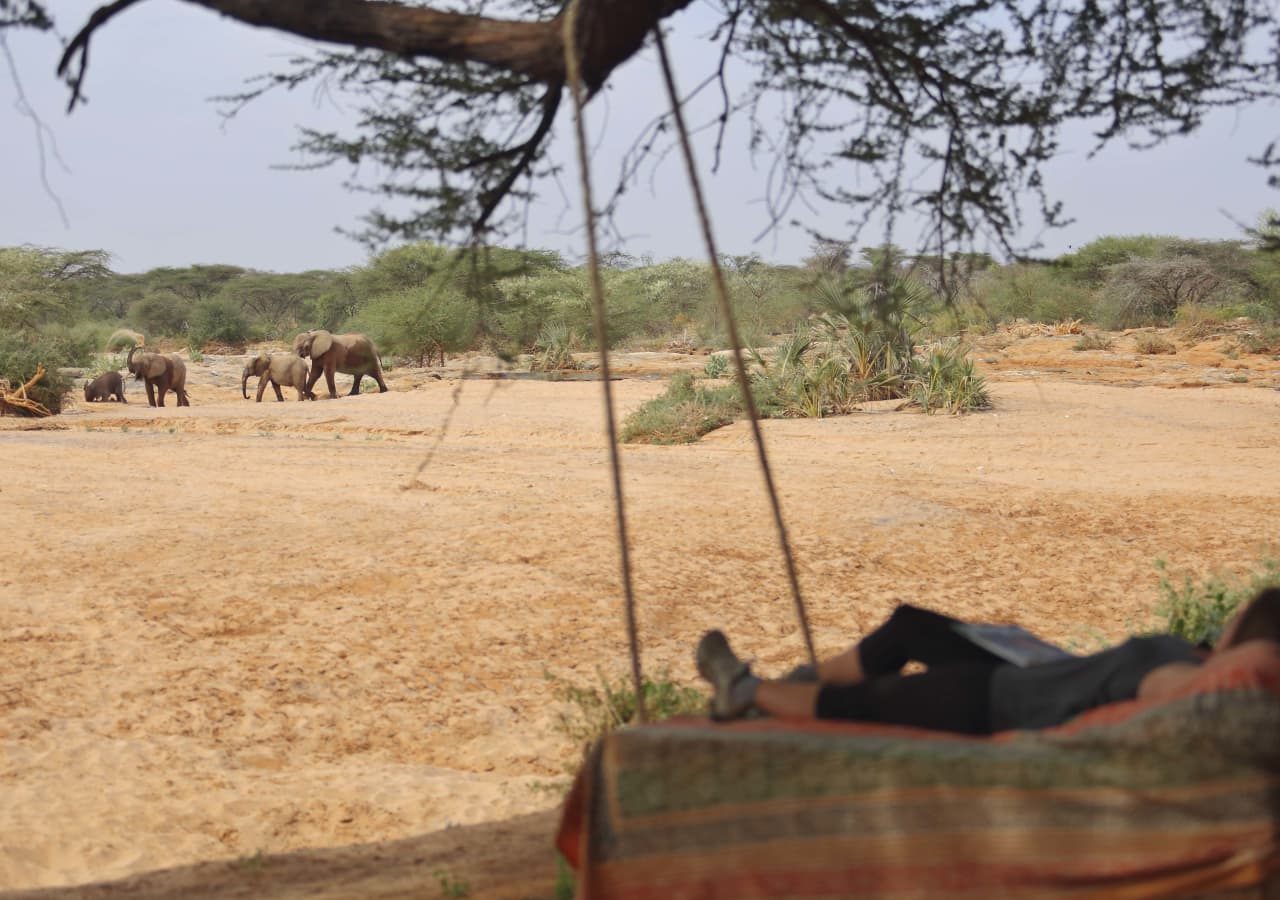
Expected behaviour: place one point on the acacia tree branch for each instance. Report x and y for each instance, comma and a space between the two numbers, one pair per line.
609, 33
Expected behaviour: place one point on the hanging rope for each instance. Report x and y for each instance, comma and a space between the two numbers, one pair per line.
573, 70
740, 367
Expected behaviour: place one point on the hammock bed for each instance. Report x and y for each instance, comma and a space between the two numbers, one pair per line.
1177, 797
1136, 799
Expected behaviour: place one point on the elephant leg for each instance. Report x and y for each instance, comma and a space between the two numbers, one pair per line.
355, 384
328, 377
312, 378
262, 386
183, 399
151, 393
279, 396
162, 388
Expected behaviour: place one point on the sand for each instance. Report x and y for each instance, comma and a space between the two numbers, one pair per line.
243, 628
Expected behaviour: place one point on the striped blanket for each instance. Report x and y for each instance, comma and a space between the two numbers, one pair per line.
1179, 798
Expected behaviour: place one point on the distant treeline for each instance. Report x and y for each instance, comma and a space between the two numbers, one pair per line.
421, 301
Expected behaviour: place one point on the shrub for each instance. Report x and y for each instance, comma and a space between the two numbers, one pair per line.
1265, 340
22, 353
124, 339
716, 366
1149, 291
682, 413
218, 321
1036, 292
554, 349
1092, 341
1198, 611
947, 380
1089, 264
421, 322
1195, 322
1151, 344
162, 313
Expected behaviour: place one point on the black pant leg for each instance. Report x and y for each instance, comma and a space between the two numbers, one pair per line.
912, 633
954, 697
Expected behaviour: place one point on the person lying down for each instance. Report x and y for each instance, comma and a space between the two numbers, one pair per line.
969, 689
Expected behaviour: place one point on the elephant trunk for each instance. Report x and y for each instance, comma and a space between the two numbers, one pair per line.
244, 380
128, 363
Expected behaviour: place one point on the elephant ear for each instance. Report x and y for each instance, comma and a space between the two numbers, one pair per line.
155, 365
320, 346
300, 343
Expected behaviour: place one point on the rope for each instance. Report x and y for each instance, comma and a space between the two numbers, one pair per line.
726, 310
573, 71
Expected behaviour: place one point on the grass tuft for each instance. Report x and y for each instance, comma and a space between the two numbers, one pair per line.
682, 413
1197, 611
1093, 341
1151, 344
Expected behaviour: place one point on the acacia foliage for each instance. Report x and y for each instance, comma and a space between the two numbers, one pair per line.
948, 109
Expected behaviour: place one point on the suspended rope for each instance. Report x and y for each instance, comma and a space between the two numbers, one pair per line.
735, 343
573, 70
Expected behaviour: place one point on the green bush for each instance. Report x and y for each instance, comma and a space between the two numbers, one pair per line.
682, 413
1197, 611
716, 366
219, 321
1090, 263
1032, 291
421, 323
162, 313
21, 353
947, 380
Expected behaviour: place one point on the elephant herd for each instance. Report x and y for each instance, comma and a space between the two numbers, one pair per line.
350, 354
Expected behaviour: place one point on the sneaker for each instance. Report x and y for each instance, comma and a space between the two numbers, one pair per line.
718, 664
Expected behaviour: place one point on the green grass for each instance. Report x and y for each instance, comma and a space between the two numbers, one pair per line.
1264, 341
1198, 610
595, 710
682, 413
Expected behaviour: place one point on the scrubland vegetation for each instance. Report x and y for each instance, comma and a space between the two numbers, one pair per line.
835, 331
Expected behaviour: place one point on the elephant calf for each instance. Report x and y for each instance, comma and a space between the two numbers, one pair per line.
104, 387
282, 369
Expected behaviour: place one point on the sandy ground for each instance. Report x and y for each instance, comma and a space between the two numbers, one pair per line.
237, 629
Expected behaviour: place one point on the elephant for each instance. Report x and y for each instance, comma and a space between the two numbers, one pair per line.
160, 372
351, 354
286, 369
104, 387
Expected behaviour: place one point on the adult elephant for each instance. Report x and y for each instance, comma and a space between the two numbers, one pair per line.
350, 354
286, 369
161, 372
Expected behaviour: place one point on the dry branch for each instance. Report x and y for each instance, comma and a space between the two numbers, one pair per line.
18, 401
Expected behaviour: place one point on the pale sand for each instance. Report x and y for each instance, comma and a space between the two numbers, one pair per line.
230, 628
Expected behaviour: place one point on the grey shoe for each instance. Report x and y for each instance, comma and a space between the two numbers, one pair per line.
719, 665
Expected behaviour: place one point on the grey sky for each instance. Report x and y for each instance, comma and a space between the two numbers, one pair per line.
158, 179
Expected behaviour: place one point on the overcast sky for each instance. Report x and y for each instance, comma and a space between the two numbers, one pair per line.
153, 175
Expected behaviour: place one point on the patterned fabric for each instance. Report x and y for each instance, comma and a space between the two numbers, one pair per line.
1180, 798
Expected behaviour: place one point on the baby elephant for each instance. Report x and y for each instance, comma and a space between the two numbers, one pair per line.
104, 387
278, 369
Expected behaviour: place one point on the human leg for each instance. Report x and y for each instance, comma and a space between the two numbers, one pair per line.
951, 697
910, 634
